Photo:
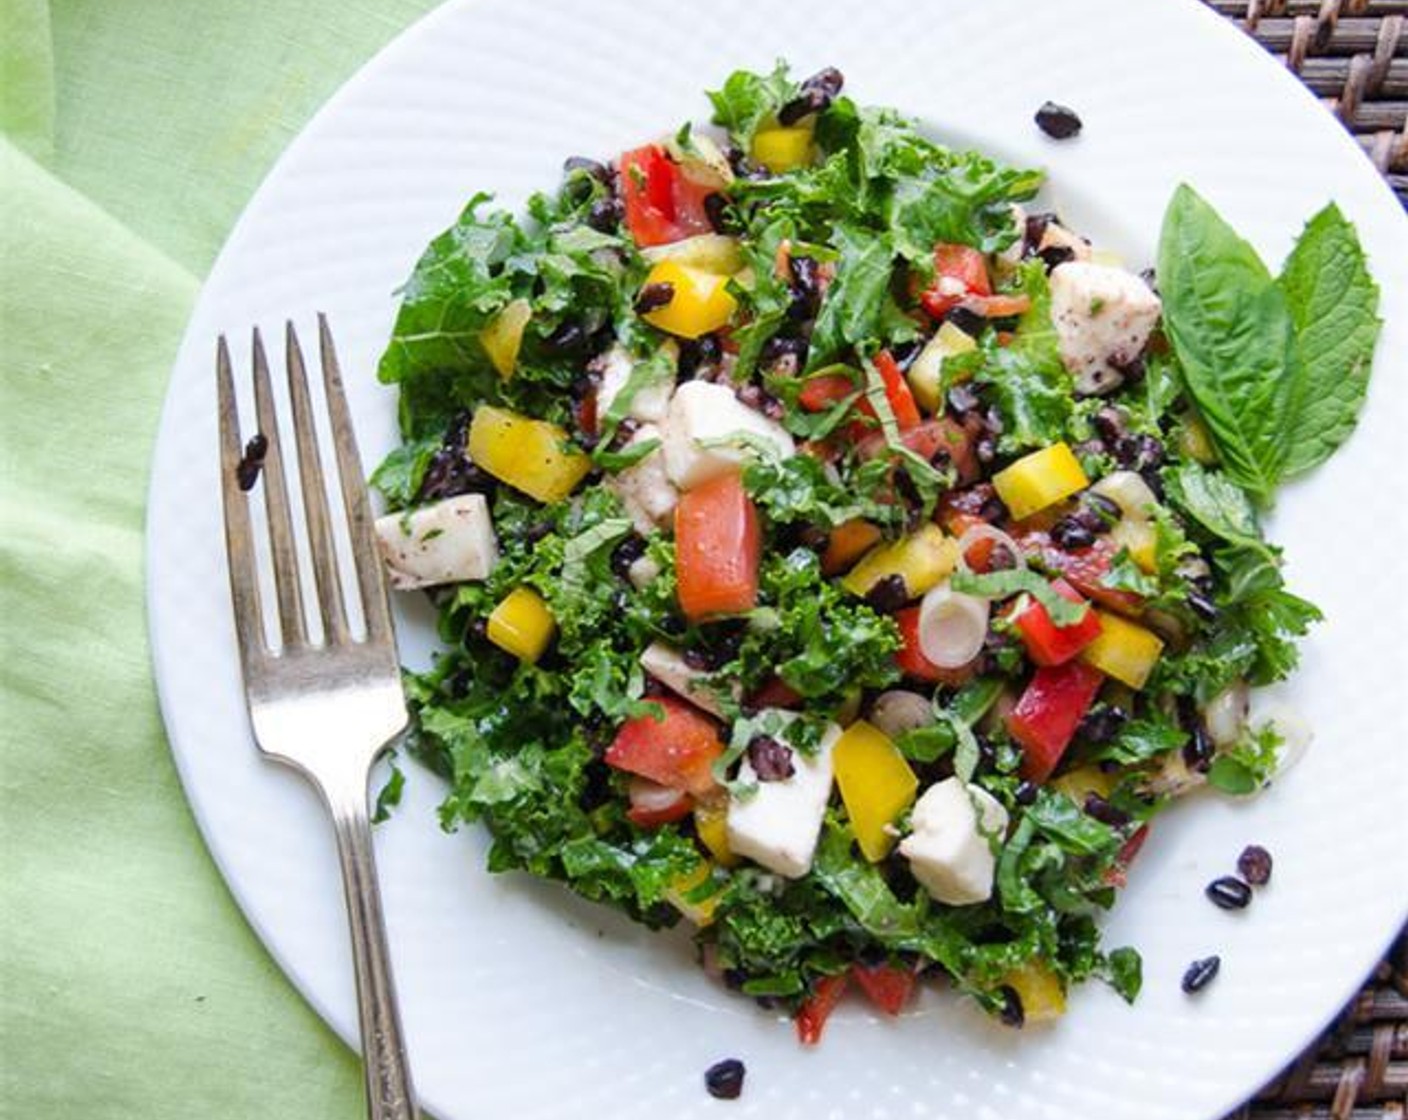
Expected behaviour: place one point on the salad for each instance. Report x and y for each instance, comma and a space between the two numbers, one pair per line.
838, 553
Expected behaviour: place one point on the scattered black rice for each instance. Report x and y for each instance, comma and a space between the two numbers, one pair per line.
1255, 865
1229, 893
1058, 121
1201, 973
252, 462
724, 1079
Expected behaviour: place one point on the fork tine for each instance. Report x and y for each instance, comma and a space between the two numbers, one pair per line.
239, 544
292, 627
315, 497
371, 580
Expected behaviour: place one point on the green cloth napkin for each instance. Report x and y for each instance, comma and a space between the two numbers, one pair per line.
131, 134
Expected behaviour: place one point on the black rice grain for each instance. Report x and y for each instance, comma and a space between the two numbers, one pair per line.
1058, 121
1200, 974
724, 1080
1254, 864
1229, 893
252, 462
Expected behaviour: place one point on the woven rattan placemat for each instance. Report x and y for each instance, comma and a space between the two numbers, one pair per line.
1354, 55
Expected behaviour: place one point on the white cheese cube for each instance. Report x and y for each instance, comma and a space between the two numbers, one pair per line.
650, 402
948, 848
667, 666
448, 542
777, 825
1103, 318
702, 413
645, 488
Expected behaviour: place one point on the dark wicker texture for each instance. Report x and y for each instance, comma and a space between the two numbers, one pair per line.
1354, 55
1357, 1069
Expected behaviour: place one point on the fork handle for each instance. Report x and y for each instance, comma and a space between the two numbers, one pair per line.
390, 1095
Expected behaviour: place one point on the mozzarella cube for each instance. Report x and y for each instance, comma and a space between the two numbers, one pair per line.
448, 542
1056, 236
667, 666
645, 489
948, 848
650, 402
777, 824
703, 417
1103, 317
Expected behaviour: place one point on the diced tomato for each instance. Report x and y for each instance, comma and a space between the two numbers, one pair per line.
1045, 718
887, 987
929, 438
677, 751
1049, 644
1083, 568
777, 693
911, 660
897, 391
1116, 876
820, 393
959, 271
661, 204
653, 805
812, 1016
717, 548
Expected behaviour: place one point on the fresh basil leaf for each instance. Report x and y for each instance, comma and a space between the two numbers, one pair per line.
1014, 581
1333, 304
630, 456
1124, 970
1216, 503
1232, 332
927, 744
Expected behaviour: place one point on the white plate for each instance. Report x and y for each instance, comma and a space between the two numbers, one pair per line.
521, 1001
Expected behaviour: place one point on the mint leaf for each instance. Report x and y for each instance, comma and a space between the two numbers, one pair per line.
1332, 301
1232, 332
1217, 504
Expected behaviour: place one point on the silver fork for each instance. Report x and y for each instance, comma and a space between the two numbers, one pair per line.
328, 708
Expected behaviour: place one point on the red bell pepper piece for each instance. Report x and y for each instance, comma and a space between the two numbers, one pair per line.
1049, 644
1045, 718
811, 1017
887, 987
959, 271
718, 548
677, 751
896, 392
910, 657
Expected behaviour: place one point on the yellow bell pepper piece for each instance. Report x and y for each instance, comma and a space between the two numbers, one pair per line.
1039, 989
679, 895
923, 560
530, 455
711, 826
503, 336
1040, 479
1140, 539
522, 625
876, 785
701, 302
782, 149
925, 375
1124, 650
1080, 783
